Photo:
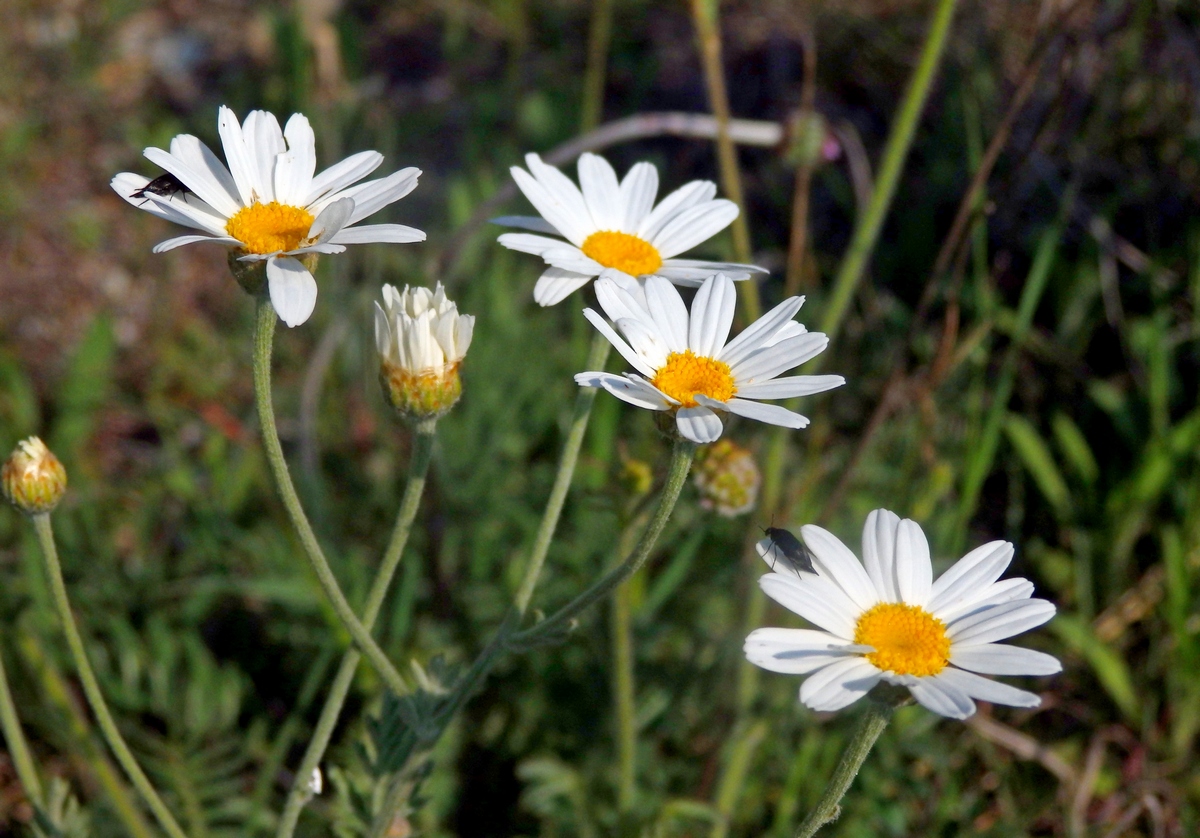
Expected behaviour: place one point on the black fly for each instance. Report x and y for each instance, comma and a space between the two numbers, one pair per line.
165, 186
788, 550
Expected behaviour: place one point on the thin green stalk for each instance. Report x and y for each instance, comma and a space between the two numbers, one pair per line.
870, 724
599, 37
733, 779
870, 223
597, 357
264, 332
681, 462
418, 467
624, 695
91, 687
708, 32
18, 745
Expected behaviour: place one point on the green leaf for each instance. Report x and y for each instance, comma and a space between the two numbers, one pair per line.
1039, 462
84, 388
1074, 447
1110, 668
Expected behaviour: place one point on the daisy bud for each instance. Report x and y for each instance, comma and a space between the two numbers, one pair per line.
422, 340
727, 478
34, 480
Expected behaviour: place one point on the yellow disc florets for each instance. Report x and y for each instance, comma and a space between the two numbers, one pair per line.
908, 640
686, 374
623, 251
270, 228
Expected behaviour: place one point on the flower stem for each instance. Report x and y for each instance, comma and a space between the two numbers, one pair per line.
264, 332
870, 724
91, 688
562, 481
624, 695
681, 463
18, 745
418, 467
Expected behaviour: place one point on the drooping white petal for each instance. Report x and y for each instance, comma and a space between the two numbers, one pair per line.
790, 387
699, 424
179, 241
556, 284
619, 343
693, 226
944, 698
340, 175
681, 199
370, 233
638, 191
794, 651
752, 336
668, 312
839, 685
601, 191
689, 272
879, 552
914, 569
772, 414
712, 316
634, 391
835, 561
1002, 659
770, 361
985, 689
999, 621
817, 600
971, 574
293, 290
330, 222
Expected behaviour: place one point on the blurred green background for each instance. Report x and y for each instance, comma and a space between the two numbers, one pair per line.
1042, 389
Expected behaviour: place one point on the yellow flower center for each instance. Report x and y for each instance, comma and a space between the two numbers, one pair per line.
908, 640
622, 251
686, 374
269, 228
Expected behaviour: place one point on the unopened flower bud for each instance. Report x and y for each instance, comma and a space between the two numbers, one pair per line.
34, 480
727, 478
422, 340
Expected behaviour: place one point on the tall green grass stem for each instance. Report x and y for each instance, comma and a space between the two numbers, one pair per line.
18, 745
624, 689
870, 724
870, 223
746, 740
418, 468
91, 687
599, 38
264, 333
597, 357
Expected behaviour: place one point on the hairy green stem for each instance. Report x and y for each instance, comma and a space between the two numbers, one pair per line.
870, 724
597, 357
91, 687
870, 223
418, 467
264, 332
18, 745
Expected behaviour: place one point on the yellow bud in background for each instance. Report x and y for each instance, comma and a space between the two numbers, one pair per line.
34, 480
637, 476
727, 477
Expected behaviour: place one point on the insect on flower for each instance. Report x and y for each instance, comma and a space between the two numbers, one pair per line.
780, 547
165, 186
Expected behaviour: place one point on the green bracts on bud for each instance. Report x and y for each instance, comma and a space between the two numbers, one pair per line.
423, 395
33, 478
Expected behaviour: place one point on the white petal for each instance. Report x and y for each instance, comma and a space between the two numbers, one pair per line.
219, 191
294, 168
201, 183
619, 343
693, 226
999, 621
529, 243
558, 199
1007, 590
191, 212
619, 301
712, 316
525, 222
374, 195
985, 689
699, 424
879, 552
340, 175
815, 599
555, 285
943, 698
179, 241
241, 163
330, 222
293, 290
839, 684
638, 191
632, 390
790, 387
368, 233
691, 272
772, 414
914, 570
1002, 659
970, 575
752, 338
383, 332
570, 258
835, 561
794, 651
601, 191
645, 340
264, 141
681, 199
770, 361
668, 312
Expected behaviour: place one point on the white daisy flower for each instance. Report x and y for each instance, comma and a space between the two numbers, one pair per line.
611, 225
687, 367
890, 621
269, 204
